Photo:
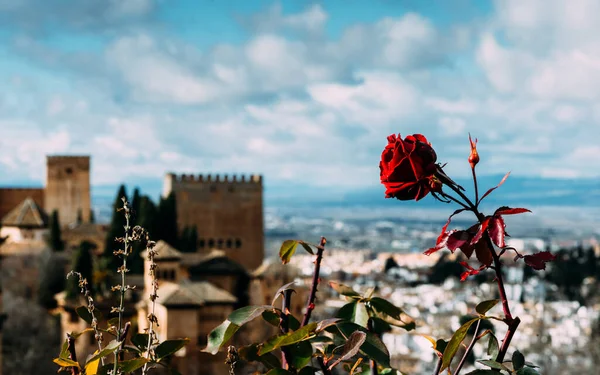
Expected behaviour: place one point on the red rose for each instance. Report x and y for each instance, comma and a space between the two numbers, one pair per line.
408, 167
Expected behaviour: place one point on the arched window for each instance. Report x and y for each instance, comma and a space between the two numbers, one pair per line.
238, 243
201, 243
228, 243
211, 243
220, 243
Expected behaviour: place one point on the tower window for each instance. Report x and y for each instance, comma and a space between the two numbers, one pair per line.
231, 189
238, 243
211, 243
201, 243
228, 243
69, 171
220, 243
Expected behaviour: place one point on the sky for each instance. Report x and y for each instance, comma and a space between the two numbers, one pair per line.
302, 92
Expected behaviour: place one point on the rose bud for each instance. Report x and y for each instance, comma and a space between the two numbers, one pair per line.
474, 157
407, 167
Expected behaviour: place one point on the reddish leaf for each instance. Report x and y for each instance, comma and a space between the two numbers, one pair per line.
442, 239
496, 230
458, 239
470, 271
538, 261
483, 253
496, 187
510, 211
482, 229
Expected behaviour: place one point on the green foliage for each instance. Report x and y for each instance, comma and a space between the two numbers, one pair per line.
55, 240
166, 226
188, 240
115, 230
82, 263
52, 281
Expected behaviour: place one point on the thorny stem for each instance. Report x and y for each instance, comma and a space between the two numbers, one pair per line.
469, 348
286, 302
123, 270
72, 353
438, 366
476, 187
512, 323
150, 252
310, 305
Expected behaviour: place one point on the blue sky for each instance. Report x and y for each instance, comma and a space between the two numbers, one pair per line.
297, 90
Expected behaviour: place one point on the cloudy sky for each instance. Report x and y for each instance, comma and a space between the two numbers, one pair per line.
297, 90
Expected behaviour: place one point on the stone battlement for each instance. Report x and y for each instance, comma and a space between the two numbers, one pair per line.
216, 178
80, 160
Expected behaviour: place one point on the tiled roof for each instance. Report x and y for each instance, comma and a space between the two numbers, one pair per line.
192, 293
26, 214
164, 251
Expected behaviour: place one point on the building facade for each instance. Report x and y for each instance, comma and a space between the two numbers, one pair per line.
227, 213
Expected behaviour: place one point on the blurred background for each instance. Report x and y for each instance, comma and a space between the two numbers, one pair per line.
303, 94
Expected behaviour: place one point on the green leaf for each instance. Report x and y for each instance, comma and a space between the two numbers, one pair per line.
324, 324
308, 370
271, 317
64, 351
140, 340
307, 247
108, 349
301, 334
485, 372
84, 314
385, 307
493, 348
250, 354
168, 347
527, 371
486, 306
380, 326
279, 371
373, 347
301, 354
344, 290
455, 342
494, 365
65, 362
220, 336
440, 346
518, 360
351, 347
280, 291
355, 312
288, 248
248, 313
132, 364
76, 335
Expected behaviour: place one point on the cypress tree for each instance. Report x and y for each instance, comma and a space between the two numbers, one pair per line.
135, 205
115, 230
82, 263
92, 216
146, 219
55, 240
167, 220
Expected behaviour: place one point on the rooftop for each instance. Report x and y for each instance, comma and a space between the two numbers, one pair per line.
26, 214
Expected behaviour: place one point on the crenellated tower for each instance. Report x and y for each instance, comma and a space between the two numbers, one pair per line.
68, 188
227, 212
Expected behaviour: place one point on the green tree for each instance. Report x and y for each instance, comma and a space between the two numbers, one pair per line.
92, 216
135, 205
52, 281
146, 218
55, 240
166, 228
188, 239
82, 263
115, 230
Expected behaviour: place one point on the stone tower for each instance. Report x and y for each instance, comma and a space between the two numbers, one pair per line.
227, 213
68, 188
